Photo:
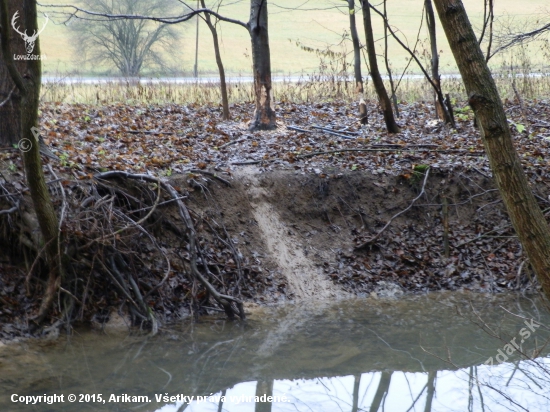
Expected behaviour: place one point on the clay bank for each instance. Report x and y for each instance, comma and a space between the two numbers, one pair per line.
331, 247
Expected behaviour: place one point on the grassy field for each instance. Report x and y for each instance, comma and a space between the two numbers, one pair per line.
319, 27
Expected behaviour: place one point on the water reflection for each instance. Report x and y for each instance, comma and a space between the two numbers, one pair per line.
519, 386
415, 354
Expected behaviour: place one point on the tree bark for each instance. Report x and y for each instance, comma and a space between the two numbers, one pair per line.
355, 397
384, 100
431, 391
357, 63
356, 48
383, 387
264, 388
264, 115
387, 61
28, 86
221, 70
483, 97
10, 120
363, 115
430, 20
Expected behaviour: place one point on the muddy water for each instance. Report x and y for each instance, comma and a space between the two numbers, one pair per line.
352, 355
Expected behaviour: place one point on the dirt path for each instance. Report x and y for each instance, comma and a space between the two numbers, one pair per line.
305, 280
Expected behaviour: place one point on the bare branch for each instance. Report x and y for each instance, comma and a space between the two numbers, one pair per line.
75, 10
513, 39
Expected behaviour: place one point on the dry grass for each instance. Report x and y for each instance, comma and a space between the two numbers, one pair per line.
332, 81
306, 90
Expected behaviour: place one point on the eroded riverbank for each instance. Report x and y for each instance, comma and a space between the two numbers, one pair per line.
276, 216
287, 236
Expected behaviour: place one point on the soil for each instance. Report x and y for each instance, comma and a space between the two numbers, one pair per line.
305, 229
287, 229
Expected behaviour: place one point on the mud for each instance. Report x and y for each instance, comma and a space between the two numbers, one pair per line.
296, 234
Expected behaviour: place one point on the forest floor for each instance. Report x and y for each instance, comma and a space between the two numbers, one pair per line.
294, 213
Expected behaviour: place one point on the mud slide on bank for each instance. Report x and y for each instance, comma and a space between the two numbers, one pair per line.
305, 280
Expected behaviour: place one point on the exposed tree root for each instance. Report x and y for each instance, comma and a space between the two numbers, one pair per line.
113, 250
225, 301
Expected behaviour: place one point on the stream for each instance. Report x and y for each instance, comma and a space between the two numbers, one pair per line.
415, 353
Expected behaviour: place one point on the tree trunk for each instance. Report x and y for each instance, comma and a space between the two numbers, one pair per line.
264, 388
430, 20
355, 397
357, 63
223, 85
10, 120
431, 391
483, 97
385, 103
383, 387
387, 61
29, 88
264, 115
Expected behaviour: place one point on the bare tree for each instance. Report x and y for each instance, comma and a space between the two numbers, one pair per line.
436, 78
487, 29
381, 391
387, 62
219, 63
264, 115
436, 87
512, 36
129, 45
357, 62
384, 100
525, 214
264, 388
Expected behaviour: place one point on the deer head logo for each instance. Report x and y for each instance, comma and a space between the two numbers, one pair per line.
29, 40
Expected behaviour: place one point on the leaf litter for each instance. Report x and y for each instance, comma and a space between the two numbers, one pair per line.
346, 181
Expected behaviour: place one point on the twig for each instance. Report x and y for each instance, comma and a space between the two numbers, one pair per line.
224, 300
223, 146
139, 222
250, 162
399, 145
329, 131
371, 240
213, 175
11, 210
120, 286
160, 204
62, 289
147, 132
404, 149
299, 129
61, 219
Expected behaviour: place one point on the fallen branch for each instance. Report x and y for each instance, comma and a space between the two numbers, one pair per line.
404, 149
371, 240
147, 132
330, 131
223, 146
299, 129
323, 129
251, 162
